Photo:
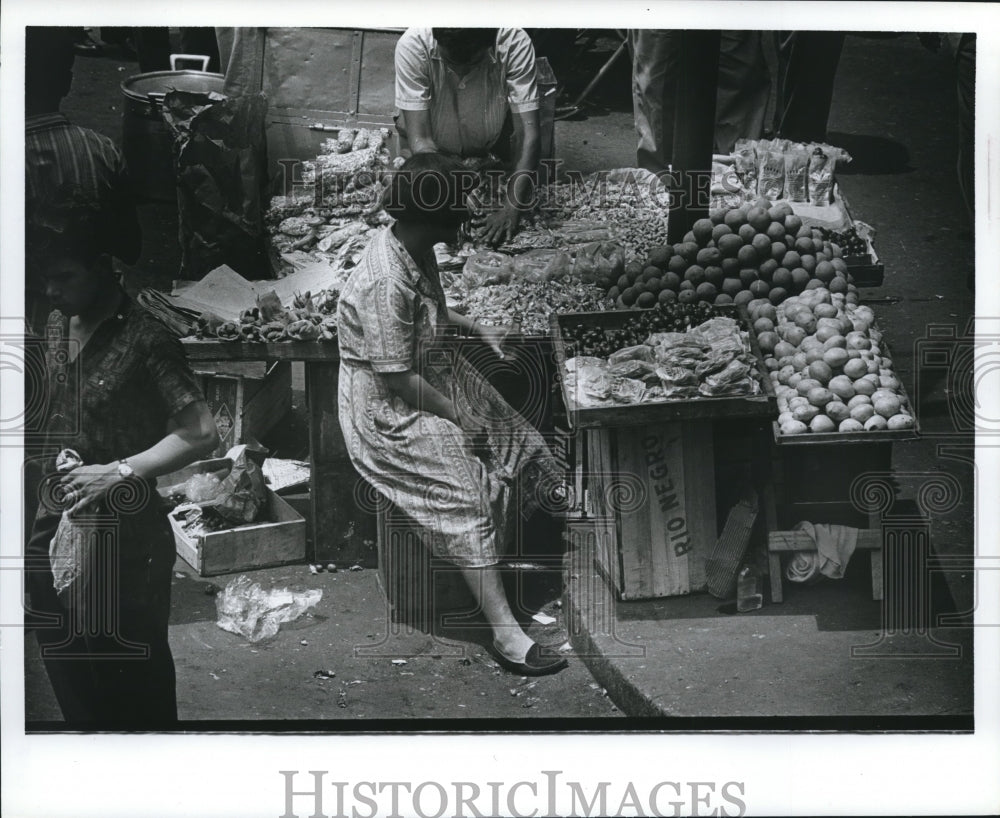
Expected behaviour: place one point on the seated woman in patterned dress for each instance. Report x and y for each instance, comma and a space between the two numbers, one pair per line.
423, 427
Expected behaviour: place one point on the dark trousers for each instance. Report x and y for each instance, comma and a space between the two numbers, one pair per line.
110, 664
807, 69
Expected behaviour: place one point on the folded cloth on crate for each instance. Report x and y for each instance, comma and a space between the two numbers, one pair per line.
835, 545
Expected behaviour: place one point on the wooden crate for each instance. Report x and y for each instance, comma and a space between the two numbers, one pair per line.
763, 405
280, 541
247, 398
652, 492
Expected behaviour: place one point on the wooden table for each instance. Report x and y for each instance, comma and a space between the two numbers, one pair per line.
343, 525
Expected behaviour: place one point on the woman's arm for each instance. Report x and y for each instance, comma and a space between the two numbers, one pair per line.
494, 336
412, 388
191, 434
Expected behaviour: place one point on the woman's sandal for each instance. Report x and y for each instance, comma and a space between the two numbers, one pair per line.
538, 661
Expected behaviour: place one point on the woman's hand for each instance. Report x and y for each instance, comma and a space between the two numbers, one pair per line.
86, 485
494, 337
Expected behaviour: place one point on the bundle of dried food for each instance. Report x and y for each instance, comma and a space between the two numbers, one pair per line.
530, 302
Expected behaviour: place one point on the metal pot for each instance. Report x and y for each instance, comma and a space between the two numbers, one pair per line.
146, 140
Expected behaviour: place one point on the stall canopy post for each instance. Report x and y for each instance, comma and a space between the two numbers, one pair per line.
694, 129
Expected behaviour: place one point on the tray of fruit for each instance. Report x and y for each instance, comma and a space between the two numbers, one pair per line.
672, 362
763, 250
832, 371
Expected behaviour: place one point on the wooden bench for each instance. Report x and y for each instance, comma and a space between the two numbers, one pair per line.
779, 542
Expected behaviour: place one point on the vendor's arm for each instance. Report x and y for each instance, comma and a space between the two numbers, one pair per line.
518, 54
520, 195
191, 435
418, 131
413, 91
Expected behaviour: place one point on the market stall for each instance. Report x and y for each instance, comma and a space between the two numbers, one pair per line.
752, 318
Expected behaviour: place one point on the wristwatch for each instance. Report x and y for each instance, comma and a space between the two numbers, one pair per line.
124, 469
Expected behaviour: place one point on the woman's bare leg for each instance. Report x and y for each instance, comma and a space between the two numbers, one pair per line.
487, 587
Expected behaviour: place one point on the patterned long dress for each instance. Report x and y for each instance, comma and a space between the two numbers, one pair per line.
390, 318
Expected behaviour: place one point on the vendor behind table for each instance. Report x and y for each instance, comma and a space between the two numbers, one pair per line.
461, 92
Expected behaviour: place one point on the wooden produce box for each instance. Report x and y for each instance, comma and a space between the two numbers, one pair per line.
258, 545
763, 405
652, 492
247, 398
649, 475
279, 539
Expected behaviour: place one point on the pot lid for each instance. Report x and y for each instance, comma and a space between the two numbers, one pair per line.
141, 86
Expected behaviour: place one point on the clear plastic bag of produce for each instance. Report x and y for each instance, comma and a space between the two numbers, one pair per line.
593, 386
627, 390
745, 165
636, 369
675, 339
487, 267
771, 170
636, 353
822, 163
733, 379
797, 173
248, 610
539, 266
598, 260
685, 357
677, 381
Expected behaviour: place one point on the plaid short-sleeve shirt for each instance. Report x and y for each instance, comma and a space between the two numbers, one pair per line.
115, 398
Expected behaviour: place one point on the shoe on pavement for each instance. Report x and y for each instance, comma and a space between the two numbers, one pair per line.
538, 661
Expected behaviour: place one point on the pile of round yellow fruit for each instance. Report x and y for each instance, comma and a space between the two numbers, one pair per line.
830, 370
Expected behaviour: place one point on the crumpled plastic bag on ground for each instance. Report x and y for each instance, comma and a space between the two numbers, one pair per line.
246, 609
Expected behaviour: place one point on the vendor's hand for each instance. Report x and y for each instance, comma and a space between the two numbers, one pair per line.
86, 485
500, 226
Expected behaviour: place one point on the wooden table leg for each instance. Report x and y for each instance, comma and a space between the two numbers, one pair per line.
344, 532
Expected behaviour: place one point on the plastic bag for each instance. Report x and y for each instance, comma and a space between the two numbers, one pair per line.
593, 386
733, 372
627, 390
68, 552
246, 609
797, 173
244, 492
771, 170
597, 260
685, 357
487, 267
676, 339
200, 488
636, 369
539, 266
677, 382
636, 353
745, 165
821, 167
